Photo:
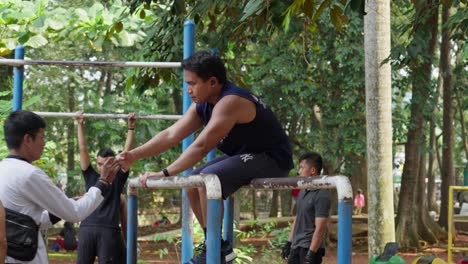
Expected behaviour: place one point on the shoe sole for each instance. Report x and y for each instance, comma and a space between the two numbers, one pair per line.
230, 257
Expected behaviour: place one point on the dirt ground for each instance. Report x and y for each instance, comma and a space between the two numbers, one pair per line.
165, 252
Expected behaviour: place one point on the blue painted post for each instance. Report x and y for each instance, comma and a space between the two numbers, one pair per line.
213, 243
187, 238
18, 76
132, 227
228, 225
345, 212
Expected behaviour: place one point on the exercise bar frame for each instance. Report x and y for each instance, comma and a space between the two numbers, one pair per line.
213, 188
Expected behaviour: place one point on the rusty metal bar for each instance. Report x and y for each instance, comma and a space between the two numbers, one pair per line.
340, 183
210, 181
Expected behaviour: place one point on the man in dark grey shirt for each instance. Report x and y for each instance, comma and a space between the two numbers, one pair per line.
306, 239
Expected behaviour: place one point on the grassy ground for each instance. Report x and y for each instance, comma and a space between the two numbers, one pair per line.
254, 245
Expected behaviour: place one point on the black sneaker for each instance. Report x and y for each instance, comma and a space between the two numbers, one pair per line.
201, 257
227, 254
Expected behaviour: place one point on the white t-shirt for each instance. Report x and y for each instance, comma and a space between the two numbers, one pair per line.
25, 188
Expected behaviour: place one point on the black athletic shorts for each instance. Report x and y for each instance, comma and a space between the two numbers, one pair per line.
103, 242
238, 170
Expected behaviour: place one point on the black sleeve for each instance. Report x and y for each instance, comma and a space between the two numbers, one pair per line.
104, 188
53, 218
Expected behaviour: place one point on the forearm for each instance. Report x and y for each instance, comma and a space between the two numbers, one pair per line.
46, 195
188, 159
81, 137
158, 144
317, 238
84, 155
129, 140
291, 232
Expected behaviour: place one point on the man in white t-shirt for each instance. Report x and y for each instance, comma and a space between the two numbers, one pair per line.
27, 189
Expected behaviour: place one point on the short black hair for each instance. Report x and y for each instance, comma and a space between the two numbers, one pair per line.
313, 159
206, 64
106, 152
20, 123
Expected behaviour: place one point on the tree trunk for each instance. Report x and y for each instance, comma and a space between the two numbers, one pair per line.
431, 186
274, 204
286, 202
379, 125
425, 28
448, 173
425, 232
458, 82
254, 204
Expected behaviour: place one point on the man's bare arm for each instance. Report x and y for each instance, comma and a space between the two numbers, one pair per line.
227, 112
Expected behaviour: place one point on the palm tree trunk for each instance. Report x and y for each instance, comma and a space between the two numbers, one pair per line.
379, 125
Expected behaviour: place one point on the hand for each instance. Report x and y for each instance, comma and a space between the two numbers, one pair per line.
312, 258
125, 159
131, 120
144, 177
80, 118
109, 169
286, 250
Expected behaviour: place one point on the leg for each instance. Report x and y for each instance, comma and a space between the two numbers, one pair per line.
86, 246
302, 254
203, 205
110, 247
198, 202
193, 195
123, 216
294, 257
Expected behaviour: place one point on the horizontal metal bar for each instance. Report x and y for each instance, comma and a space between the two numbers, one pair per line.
459, 249
108, 116
340, 183
210, 181
459, 188
126, 64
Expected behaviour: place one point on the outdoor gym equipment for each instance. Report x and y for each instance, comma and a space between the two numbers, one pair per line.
428, 260
211, 182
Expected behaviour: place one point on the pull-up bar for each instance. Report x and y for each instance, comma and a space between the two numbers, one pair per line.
108, 116
126, 64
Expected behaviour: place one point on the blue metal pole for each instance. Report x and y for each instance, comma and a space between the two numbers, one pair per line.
345, 213
187, 238
228, 225
132, 226
213, 243
18, 76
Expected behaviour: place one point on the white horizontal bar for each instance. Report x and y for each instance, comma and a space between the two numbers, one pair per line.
127, 64
109, 116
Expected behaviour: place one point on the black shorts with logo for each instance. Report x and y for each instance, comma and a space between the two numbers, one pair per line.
238, 170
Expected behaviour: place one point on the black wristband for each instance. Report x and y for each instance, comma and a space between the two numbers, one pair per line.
166, 172
131, 128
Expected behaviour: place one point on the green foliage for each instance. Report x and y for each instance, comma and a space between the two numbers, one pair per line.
34, 24
162, 252
244, 254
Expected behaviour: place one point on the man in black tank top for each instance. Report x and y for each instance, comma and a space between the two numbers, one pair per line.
235, 121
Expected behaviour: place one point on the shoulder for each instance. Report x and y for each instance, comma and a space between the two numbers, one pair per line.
234, 102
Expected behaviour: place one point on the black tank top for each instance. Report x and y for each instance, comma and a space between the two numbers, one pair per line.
263, 134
